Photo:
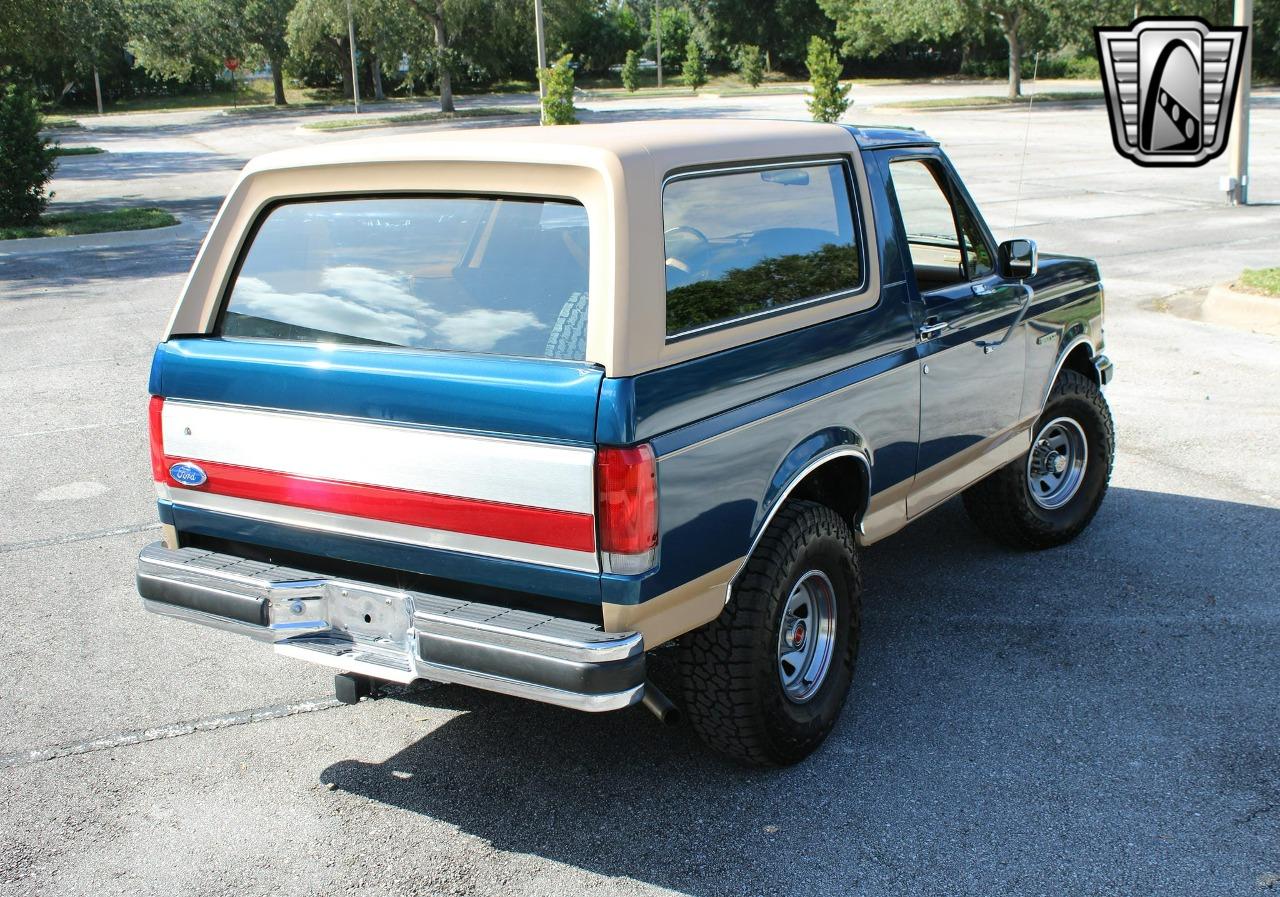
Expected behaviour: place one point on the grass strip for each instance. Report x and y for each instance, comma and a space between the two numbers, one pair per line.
1056, 96
364, 121
67, 224
1265, 281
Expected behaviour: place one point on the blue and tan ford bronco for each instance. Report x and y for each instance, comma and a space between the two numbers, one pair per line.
512, 408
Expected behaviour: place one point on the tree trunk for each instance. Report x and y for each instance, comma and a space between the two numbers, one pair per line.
375, 72
277, 79
442, 48
344, 66
1010, 22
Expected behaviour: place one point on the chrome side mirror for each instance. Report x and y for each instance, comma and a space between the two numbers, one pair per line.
1017, 259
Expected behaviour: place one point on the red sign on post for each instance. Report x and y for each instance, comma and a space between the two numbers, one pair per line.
231, 63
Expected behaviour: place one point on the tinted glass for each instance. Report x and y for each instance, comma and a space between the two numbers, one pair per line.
747, 242
929, 216
930, 224
498, 275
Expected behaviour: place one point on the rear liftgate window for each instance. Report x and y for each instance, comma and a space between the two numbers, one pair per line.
469, 274
744, 244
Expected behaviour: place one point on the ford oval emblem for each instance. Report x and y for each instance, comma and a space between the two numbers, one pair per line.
188, 474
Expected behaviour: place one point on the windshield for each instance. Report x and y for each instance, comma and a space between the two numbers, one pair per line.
470, 274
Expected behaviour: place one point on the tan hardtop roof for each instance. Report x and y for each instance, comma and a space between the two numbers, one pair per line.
669, 143
616, 171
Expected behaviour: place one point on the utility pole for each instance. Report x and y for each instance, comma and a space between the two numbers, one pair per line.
355, 71
540, 27
1239, 171
97, 89
657, 32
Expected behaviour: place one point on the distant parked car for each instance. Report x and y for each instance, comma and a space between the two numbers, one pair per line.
513, 408
642, 64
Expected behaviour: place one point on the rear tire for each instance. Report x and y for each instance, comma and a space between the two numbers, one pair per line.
1047, 497
764, 682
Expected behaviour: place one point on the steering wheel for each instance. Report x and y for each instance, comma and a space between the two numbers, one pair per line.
685, 229
678, 263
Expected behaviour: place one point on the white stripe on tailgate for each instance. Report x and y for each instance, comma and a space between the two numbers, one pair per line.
383, 454
385, 531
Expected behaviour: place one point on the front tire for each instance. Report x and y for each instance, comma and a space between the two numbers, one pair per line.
1047, 497
764, 682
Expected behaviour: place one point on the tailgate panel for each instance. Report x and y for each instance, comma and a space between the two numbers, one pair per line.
413, 448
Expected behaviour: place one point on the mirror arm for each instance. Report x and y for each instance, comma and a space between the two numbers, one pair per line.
987, 346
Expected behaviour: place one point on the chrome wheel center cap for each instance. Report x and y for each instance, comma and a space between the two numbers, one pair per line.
795, 637
1057, 463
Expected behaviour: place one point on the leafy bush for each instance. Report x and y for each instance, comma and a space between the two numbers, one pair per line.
830, 98
631, 71
1063, 65
26, 159
750, 64
695, 69
557, 105
1085, 66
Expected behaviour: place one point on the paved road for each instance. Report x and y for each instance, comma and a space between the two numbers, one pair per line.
1098, 719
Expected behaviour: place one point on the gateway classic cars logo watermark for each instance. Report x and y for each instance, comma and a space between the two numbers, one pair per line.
1170, 85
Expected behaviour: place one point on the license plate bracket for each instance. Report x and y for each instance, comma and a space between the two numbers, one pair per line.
381, 617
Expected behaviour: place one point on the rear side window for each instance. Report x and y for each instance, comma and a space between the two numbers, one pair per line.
470, 274
742, 244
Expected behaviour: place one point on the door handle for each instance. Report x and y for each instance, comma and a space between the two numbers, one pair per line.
930, 330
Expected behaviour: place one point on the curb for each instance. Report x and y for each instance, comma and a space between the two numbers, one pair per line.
1017, 105
1224, 305
392, 123
184, 229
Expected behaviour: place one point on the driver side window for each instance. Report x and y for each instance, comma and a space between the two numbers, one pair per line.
945, 242
745, 243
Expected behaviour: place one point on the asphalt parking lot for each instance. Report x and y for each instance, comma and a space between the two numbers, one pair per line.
1101, 719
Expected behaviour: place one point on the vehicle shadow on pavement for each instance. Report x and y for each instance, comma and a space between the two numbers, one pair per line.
1095, 718
130, 166
48, 274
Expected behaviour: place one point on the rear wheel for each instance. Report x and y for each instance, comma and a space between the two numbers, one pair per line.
1050, 495
765, 681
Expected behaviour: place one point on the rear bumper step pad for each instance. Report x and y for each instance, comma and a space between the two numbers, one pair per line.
397, 635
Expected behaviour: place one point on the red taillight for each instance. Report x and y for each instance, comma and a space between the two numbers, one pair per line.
627, 507
154, 412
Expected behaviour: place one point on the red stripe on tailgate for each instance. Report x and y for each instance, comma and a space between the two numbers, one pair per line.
515, 523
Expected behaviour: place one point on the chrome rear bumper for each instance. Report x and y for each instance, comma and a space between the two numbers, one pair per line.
396, 635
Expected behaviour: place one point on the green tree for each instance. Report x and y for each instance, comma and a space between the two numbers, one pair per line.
749, 61
266, 31
26, 158
597, 32
433, 13
1024, 25
181, 39
557, 105
631, 71
677, 26
779, 28
695, 69
317, 29
830, 98
56, 46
